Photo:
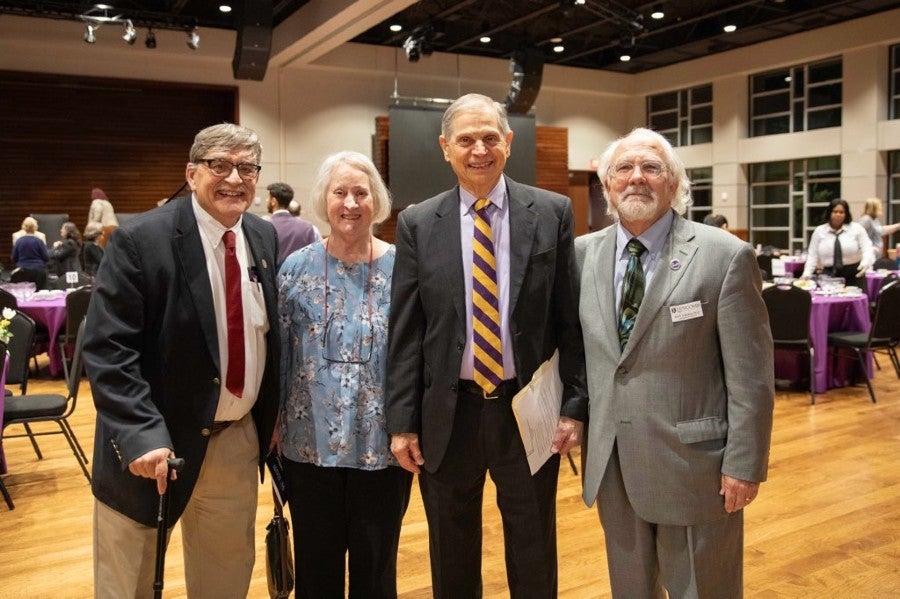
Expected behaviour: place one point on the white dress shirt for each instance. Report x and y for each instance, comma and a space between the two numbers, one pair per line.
855, 247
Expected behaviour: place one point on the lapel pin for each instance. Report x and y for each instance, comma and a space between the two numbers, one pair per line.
675, 264
265, 264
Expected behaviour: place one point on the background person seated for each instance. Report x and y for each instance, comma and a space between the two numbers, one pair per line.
30, 254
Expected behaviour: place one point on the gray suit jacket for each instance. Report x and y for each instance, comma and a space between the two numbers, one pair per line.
428, 312
686, 401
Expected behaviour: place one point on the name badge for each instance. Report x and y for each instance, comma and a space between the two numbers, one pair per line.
686, 311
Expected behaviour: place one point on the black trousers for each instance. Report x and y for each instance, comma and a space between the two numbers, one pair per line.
336, 511
485, 438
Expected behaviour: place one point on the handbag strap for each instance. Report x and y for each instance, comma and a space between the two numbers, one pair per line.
276, 499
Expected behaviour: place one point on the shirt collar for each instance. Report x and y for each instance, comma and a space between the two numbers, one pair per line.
212, 228
653, 238
497, 196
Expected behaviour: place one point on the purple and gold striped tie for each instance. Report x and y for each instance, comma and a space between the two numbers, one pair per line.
486, 348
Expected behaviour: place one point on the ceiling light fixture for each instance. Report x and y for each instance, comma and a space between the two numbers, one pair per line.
193, 39
396, 27
485, 39
418, 43
96, 16
130, 34
559, 49
729, 28
658, 12
150, 42
625, 57
89, 36
224, 8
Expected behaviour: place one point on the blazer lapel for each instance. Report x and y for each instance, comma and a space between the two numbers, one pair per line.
522, 225
602, 263
444, 248
675, 260
189, 251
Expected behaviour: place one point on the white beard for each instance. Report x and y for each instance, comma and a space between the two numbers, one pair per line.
635, 209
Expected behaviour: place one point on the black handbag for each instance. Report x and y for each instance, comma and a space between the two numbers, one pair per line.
279, 557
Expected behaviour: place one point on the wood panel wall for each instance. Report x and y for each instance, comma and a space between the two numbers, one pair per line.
552, 168
61, 136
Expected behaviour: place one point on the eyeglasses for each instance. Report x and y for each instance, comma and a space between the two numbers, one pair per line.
650, 170
223, 168
489, 141
347, 342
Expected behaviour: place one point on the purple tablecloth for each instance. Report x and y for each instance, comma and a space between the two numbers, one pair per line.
52, 314
874, 280
829, 314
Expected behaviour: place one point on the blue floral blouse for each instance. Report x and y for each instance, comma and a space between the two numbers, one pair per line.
333, 373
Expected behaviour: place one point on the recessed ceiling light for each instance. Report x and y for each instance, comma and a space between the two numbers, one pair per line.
556, 40
396, 27
485, 39
559, 49
657, 14
625, 57
729, 28
224, 8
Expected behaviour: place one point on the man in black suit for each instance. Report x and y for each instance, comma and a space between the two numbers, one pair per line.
448, 396
182, 354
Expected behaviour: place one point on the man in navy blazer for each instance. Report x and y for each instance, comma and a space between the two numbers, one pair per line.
293, 232
157, 354
443, 425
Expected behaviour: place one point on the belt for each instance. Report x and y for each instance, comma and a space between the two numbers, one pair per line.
220, 425
504, 391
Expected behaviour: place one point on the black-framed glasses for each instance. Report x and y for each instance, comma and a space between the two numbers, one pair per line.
649, 169
223, 168
344, 343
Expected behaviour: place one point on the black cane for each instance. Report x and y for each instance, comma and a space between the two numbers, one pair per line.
162, 526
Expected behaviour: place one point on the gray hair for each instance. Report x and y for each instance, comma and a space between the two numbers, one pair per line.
682, 198
226, 136
471, 102
381, 197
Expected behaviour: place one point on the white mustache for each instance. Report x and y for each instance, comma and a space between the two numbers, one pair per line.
635, 190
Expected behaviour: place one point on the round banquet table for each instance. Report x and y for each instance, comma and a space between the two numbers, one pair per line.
829, 314
874, 280
52, 314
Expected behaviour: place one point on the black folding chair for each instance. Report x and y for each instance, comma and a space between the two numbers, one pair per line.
789, 309
884, 334
77, 303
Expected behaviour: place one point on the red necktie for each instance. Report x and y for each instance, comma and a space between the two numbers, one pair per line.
234, 313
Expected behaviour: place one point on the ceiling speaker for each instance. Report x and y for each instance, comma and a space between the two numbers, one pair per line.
527, 68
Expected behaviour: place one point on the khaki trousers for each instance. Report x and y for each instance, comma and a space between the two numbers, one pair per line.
217, 528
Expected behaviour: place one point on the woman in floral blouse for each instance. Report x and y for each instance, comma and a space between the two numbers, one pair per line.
345, 490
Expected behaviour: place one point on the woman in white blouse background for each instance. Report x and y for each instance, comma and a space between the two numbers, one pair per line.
856, 254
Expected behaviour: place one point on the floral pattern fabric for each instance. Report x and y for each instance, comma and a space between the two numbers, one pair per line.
333, 373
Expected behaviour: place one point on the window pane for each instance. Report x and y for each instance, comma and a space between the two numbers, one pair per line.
683, 106
824, 166
799, 80
825, 71
895, 163
778, 239
771, 126
896, 80
823, 192
701, 116
772, 217
770, 171
799, 121
672, 136
830, 117
664, 102
702, 197
683, 130
700, 174
763, 105
824, 95
896, 105
770, 81
701, 95
701, 135
666, 120
770, 194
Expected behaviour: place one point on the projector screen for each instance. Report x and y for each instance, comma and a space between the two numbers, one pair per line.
416, 165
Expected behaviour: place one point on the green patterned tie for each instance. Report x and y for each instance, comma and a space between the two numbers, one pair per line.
632, 290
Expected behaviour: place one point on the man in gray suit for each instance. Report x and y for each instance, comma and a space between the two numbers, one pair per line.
679, 362
449, 390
